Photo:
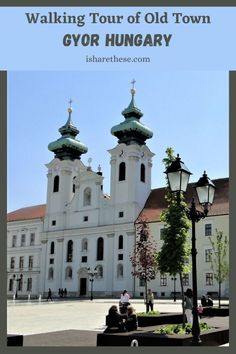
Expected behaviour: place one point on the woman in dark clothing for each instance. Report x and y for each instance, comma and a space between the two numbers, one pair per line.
114, 320
131, 323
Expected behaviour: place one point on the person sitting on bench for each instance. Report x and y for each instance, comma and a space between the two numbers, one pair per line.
114, 321
131, 323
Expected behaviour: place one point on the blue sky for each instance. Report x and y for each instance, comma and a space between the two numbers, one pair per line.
187, 110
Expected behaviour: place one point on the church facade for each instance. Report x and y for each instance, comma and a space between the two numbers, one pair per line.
81, 230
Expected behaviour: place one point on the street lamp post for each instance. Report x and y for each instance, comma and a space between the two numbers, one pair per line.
91, 279
174, 279
16, 280
178, 177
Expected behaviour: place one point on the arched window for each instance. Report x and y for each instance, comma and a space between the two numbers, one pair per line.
50, 273
56, 184
100, 249
52, 248
87, 196
68, 273
73, 184
99, 271
142, 173
84, 245
69, 251
120, 271
122, 169
120, 242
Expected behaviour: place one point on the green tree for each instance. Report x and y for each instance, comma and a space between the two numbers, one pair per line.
219, 259
143, 259
175, 251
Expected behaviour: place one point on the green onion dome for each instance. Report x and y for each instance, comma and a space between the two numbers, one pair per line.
132, 131
67, 147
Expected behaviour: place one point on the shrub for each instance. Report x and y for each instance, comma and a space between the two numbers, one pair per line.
178, 329
150, 313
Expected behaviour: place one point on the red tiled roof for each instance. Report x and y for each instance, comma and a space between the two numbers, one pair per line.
33, 212
156, 201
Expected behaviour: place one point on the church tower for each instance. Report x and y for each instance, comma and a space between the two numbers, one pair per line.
131, 163
62, 171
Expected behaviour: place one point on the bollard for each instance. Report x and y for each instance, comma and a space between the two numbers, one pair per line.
28, 297
40, 297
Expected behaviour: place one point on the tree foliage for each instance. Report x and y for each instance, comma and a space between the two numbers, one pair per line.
174, 254
143, 259
219, 258
175, 251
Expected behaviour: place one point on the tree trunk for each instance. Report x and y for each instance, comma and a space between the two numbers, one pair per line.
182, 296
219, 293
146, 295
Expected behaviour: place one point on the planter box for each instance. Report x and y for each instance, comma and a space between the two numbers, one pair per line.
214, 337
144, 321
214, 311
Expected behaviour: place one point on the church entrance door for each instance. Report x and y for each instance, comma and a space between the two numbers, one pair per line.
83, 286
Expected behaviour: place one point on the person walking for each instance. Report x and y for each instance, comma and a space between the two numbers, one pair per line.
49, 294
188, 305
65, 292
150, 300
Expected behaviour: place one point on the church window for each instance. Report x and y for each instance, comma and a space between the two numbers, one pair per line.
32, 239
22, 240
56, 184
120, 271
31, 262
12, 262
99, 269
73, 185
120, 257
85, 218
122, 171
84, 245
51, 261
21, 262
87, 196
121, 214
52, 248
142, 173
14, 241
68, 273
29, 284
53, 222
120, 242
50, 273
69, 251
100, 249
84, 259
